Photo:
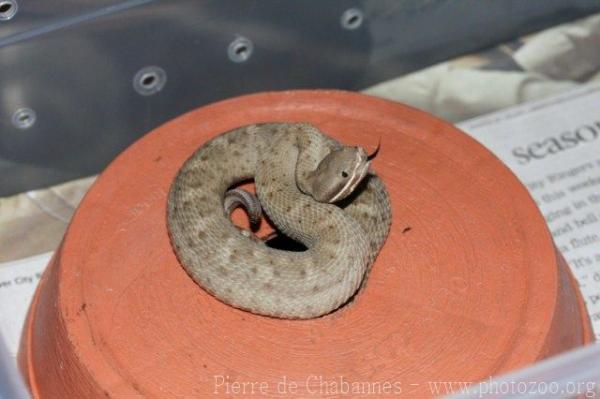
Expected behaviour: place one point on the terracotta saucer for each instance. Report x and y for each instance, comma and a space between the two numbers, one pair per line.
468, 285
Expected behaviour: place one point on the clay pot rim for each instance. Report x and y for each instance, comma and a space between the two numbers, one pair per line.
536, 228
524, 202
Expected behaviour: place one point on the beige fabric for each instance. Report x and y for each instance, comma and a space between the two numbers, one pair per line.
567, 52
457, 94
544, 64
34, 222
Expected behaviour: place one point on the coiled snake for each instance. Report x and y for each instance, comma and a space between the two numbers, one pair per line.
315, 190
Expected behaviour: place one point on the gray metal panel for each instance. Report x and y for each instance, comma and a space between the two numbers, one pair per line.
67, 67
79, 79
410, 34
37, 16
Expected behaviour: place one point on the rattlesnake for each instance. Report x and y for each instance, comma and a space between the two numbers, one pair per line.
299, 173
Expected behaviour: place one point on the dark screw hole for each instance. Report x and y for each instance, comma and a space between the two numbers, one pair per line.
241, 50
5, 8
148, 80
23, 118
352, 20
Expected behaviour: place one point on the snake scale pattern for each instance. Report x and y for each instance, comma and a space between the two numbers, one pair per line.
314, 190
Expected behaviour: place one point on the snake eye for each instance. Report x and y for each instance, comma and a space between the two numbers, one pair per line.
344, 174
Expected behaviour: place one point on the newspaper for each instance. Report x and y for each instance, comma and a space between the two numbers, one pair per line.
552, 145
18, 280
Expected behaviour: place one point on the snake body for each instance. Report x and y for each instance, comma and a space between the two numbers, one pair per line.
302, 179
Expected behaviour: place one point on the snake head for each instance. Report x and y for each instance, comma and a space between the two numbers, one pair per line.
339, 173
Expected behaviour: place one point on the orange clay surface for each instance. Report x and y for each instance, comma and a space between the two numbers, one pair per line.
468, 285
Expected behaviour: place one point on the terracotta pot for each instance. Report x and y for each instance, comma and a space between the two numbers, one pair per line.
468, 285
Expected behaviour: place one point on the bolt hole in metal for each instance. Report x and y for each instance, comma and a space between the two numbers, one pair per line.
149, 80
240, 49
352, 19
24, 118
8, 9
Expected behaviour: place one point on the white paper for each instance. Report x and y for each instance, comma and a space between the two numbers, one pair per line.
553, 146
18, 281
